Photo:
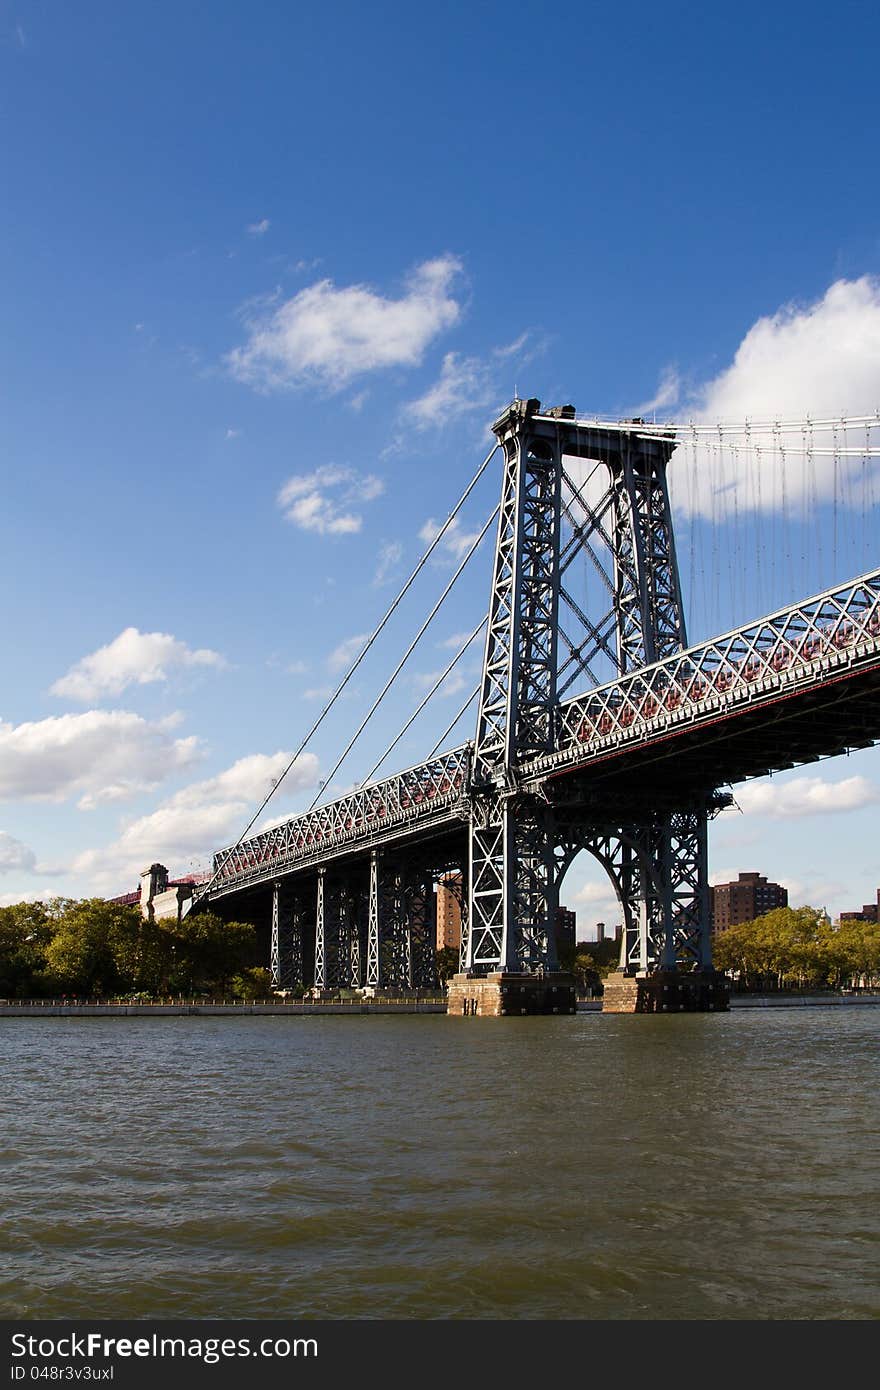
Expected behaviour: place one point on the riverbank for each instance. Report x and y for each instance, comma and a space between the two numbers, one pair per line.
223, 1009
53, 1008
790, 1001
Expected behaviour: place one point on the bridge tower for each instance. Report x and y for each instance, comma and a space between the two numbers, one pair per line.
521, 835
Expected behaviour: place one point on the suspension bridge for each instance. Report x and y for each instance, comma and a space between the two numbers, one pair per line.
631, 767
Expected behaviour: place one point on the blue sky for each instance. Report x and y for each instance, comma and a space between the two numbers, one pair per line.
270, 270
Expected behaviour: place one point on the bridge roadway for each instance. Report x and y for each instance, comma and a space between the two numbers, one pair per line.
797, 685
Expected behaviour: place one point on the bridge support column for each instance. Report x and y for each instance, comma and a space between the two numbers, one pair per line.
355, 925
275, 945
320, 937
513, 896
421, 913
372, 979
286, 957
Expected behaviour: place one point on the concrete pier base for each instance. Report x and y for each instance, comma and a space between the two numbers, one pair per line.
504, 993
666, 991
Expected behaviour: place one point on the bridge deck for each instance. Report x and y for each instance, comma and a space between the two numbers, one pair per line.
799, 684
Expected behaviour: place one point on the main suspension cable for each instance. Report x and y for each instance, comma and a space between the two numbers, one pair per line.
403, 660
449, 727
356, 663
434, 688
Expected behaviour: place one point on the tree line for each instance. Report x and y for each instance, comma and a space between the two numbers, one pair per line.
798, 948
91, 948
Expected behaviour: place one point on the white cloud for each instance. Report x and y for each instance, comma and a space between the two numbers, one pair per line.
821, 360
805, 796
100, 755
259, 228
316, 501
342, 656
132, 658
33, 895
667, 393
593, 901
198, 819
453, 643
591, 893
318, 692
15, 856
456, 541
464, 384
390, 555
453, 684
329, 336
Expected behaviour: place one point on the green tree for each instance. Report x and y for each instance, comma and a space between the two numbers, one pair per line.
447, 963
788, 948
25, 933
253, 983
94, 948
206, 952
857, 953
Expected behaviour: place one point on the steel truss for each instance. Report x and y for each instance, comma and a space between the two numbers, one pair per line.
513, 836
376, 929
511, 896
408, 799
403, 923
540, 640
339, 929
287, 941
838, 628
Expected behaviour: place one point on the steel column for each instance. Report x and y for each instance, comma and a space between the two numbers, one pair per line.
320, 937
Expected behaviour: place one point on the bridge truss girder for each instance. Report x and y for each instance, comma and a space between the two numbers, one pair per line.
287, 965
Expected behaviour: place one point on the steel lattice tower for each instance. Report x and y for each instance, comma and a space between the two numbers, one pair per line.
655, 853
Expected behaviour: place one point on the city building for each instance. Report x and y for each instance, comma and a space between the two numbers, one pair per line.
870, 912
750, 896
566, 923
449, 890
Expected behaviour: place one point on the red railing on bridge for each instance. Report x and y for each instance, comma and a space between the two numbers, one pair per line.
418, 793
827, 631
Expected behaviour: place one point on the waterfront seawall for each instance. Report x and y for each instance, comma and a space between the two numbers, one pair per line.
229, 1010
197, 1008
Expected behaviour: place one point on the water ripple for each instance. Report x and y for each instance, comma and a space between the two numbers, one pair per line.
698, 1167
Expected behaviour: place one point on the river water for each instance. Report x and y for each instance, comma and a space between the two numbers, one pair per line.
702, 1166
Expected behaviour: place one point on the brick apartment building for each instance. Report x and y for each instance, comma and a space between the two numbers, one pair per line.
750, 896
449, 912
870, 912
